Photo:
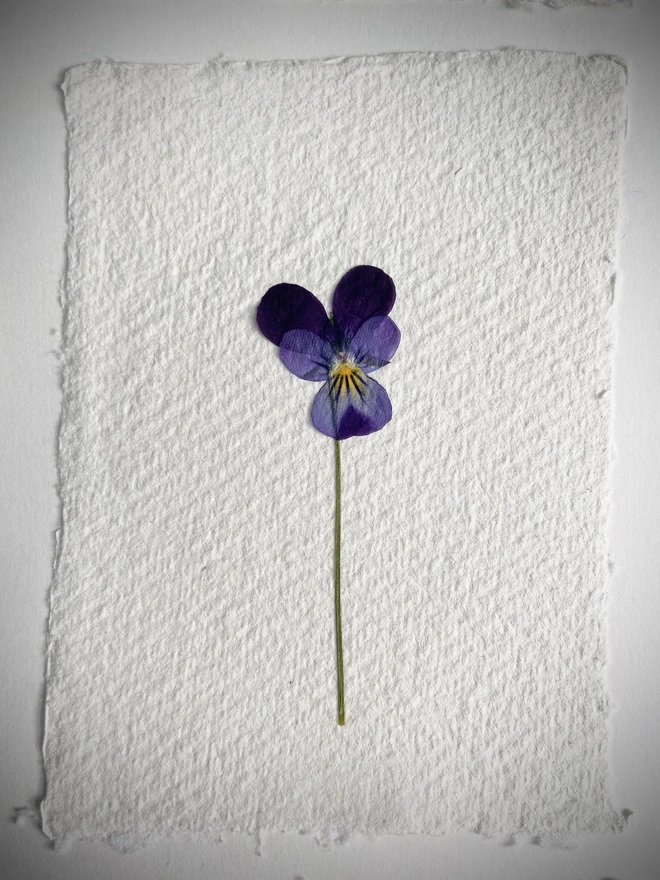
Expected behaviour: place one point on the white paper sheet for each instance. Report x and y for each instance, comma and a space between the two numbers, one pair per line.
191, 683
556, 4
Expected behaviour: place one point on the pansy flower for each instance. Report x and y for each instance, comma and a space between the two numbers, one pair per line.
341, 351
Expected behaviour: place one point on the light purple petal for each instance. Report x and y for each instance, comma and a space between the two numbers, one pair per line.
306, 355
323, 412
375, 342
351, 414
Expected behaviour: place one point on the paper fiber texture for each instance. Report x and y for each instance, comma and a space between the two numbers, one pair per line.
553, 3
557, 4
191, 683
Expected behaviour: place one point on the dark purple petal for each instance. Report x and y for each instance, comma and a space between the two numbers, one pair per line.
306, 355
375, 342
287, 307
343, 415
333, 335
362, 293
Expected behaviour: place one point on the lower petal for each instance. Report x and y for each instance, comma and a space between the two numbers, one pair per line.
364, 414
351, 414
323, 412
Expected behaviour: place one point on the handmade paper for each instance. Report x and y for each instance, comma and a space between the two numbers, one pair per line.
515, 3
191, 673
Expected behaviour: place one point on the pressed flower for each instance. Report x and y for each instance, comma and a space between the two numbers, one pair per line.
341, 351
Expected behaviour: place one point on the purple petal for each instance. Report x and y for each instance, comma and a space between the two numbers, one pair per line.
364, 416
287, 307
362, 293
323, 412
306, 355
375, 342
351, 415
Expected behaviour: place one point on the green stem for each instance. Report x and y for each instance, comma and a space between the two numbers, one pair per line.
340, 655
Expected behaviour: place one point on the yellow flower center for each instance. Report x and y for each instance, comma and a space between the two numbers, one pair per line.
347, 378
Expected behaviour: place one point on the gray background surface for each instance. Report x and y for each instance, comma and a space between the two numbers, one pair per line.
40, 39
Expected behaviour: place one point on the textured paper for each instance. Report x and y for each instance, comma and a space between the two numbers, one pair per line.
557, 4
191, 682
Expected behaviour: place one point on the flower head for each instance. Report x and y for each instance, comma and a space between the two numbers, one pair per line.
340, 351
